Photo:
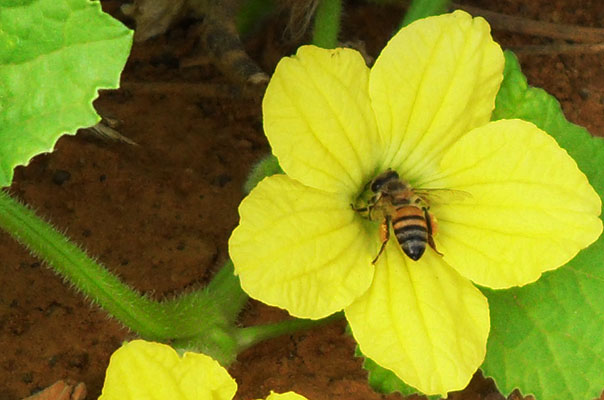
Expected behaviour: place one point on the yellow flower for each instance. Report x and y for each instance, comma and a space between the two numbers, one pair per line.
423, 110
154, 371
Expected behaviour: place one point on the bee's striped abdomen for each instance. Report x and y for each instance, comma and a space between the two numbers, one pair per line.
411, 230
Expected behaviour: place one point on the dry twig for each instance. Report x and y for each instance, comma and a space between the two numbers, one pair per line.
512, 23
560, 48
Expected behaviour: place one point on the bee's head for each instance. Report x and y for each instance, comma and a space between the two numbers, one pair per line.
382, 179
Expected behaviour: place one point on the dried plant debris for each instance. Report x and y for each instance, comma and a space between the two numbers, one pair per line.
218, 33
106, 132
300, 16
61, 390
153, 17
220, 37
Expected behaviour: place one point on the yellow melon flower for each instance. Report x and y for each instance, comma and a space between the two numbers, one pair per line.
423, 110
154, 371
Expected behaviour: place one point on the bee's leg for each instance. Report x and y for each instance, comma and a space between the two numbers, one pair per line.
367, 209
384, 236
432, 227
433, 245
364, 211
372, 202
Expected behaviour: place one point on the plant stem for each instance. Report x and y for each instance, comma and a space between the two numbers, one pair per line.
203, 319
223, 295
143, 315
327, 24
226, 291
247, 337
424, 8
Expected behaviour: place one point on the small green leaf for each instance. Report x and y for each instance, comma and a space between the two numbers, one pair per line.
381, 379
546, 338
54, 56
268, 166
385, 381
252, 13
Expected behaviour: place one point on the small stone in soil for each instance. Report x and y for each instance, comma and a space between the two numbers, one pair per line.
60, 177
27, 377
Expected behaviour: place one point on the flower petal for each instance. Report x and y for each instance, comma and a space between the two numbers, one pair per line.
285, 396
422, 320
531, 211
300, 248
148, 370
435, 80
318, 119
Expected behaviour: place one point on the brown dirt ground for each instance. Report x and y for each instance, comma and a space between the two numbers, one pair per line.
159, 214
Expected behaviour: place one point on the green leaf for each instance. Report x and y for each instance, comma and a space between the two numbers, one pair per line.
547, 338
54, 56
384, 381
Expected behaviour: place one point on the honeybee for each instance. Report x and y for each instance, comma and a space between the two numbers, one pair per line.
407, 210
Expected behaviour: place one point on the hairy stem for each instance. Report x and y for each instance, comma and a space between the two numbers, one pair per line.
223, 295
148, 318
203, 320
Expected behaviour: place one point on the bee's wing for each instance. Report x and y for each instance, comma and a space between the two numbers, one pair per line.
442, 196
